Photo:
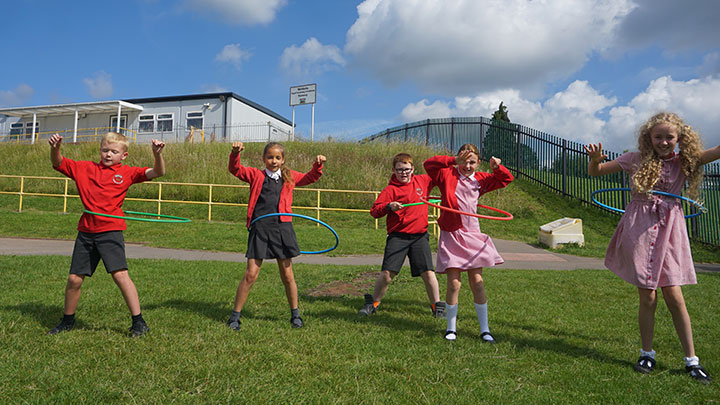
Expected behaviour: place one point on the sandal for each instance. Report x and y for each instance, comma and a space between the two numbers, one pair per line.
645, 364
699, 373
450, 335
487, 337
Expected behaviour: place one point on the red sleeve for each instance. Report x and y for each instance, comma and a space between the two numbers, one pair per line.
138, 174
243, 173
379, 207
68, 167
499, 178
435, 164
303, 179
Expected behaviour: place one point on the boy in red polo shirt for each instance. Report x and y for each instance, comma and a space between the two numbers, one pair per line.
407, 233
102, 187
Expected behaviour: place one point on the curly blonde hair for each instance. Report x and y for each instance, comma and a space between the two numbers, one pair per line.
690, 147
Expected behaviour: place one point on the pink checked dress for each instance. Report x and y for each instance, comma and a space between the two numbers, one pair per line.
466, 248
650, 247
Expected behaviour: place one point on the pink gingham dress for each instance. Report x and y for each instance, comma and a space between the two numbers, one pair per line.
650, 247
466, 248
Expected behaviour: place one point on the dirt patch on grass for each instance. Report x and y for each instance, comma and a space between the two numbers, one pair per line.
356, 287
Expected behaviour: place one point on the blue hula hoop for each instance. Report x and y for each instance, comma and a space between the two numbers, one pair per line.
285, 214
701, 209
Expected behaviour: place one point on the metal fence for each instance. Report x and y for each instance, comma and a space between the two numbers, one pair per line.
553, 162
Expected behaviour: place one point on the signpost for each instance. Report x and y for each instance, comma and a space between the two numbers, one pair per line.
304, 94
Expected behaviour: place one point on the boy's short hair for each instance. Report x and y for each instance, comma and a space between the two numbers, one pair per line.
402, 158
114, 137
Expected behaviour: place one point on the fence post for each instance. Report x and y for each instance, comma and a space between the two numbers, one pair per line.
210, 203
406, 132
159, 202
22, 188
564, 167
517, 152
427, 132
452, 133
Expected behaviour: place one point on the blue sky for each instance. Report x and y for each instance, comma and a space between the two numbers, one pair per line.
589, 71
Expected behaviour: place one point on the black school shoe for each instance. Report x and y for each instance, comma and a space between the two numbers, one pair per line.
62, 327
296, 321
644, 365
138, 329
699, 373
234, 324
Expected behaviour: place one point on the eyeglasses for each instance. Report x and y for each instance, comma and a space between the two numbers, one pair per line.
404, 171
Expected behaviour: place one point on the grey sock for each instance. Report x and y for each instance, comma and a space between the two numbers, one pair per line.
294, 312
234, 316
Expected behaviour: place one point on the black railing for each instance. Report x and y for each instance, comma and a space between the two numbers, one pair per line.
553, 162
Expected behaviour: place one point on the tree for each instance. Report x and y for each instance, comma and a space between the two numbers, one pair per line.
501, 141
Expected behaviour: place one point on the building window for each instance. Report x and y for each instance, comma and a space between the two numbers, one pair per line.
16, 128
29, 128
165, 122
146, 123
123, 123
194, 119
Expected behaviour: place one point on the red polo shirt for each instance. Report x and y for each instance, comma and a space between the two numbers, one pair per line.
102, 189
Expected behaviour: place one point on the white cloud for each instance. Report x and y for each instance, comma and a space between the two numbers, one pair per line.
240, 12
233, 55
671, 24
311, 58
466, 46
17, 96
213, 88
579, 113
100, 85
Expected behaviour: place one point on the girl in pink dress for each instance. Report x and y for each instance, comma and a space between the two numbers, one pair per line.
650, 247
462, 246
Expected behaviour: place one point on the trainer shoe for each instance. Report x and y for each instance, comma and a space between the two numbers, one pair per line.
439, 310
62, 327
234, 324
645, 365
138, 329
369, 306
296, 321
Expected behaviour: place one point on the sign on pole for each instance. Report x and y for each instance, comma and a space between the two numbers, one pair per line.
304, 94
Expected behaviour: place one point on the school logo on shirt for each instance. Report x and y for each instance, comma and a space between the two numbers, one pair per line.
419, 191
118, 179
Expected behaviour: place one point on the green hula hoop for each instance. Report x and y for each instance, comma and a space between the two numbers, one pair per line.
171, 219
421, 203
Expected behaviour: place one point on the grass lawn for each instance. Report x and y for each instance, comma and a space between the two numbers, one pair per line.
564, 337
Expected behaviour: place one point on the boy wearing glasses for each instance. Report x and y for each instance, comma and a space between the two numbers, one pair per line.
407, 233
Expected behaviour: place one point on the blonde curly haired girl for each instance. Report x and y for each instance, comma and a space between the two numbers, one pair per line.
650, 247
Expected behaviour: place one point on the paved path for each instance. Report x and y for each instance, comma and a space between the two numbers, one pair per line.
517, 255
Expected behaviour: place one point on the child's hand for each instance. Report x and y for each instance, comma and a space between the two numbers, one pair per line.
237, 147
595, 153
157, 146
394, 206
320, 159
494, 163
463, 156
55, 141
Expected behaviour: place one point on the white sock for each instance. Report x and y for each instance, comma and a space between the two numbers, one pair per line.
691, 361
482, 314
451, 313
650, 354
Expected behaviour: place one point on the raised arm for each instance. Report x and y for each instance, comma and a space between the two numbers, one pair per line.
710, 155
595, 166
303, 179
55, 155
158, 168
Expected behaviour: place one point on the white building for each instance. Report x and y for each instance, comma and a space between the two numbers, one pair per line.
221, 117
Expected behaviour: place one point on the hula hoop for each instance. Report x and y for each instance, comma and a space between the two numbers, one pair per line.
432, 200
171, 219
505, 218
284, 214
701, 208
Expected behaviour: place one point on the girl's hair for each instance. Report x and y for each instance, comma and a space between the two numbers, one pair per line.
114, 137
690, 147
284, 171
472, 148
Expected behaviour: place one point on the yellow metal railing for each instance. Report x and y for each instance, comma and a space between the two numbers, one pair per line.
21, 192
83, 135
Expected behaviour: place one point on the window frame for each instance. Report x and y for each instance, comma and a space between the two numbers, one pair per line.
164, 118
145, 119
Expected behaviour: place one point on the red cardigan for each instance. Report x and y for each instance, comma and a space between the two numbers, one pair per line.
256, 177
445, 174
413, 219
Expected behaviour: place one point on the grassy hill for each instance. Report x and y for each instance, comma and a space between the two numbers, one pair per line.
350, 166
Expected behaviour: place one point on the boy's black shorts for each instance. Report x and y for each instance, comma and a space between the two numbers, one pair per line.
415, 246
91, 247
